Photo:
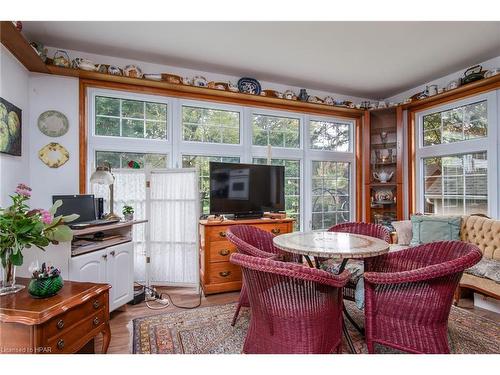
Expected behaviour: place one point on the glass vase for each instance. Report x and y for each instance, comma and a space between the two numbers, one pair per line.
8, 283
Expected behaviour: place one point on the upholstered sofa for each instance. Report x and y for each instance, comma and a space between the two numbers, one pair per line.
484, 277
483, 232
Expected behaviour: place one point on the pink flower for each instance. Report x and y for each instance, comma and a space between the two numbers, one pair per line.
46, 216
23, 190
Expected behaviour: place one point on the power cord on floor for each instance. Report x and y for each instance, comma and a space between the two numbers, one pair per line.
165, 302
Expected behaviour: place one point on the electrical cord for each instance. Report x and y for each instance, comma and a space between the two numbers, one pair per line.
159, 297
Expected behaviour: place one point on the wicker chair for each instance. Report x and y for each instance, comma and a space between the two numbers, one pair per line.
255, 242
367, 229
409, 293
295, 309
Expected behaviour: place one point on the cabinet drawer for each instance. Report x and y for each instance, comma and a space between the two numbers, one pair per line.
220, 251
62, 322
275, 229
69, 340
217, 233
224, 272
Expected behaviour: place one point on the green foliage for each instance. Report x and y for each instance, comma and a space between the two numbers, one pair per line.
22, 228
127, 210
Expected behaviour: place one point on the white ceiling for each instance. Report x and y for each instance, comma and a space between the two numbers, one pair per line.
366, 59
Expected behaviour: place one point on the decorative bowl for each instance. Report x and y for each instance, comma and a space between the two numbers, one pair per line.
45, 287
114, 70
171, 78
200, 81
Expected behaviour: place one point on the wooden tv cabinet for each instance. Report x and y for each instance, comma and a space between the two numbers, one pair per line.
216, 273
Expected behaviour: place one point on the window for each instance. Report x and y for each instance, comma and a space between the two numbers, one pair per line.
210, 125
330, 199
130, 118
330, 136
202, 163
456, 184
164, 132
292, 186
457, 124
456, 154
275, 131
122, 159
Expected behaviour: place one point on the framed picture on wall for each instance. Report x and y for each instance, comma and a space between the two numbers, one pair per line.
10, 128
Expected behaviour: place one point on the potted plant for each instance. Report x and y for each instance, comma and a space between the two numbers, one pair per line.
128, 213
22, 228
45, 281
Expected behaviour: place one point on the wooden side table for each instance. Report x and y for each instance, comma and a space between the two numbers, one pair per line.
64, 323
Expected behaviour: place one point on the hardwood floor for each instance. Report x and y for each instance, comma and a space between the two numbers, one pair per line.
121, 320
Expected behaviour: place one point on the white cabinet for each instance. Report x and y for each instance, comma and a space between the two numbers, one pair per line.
113, 265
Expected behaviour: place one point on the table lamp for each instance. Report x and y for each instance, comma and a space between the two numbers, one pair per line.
103, 176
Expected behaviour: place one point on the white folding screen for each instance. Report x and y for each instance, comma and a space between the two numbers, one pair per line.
171, 206
173, 224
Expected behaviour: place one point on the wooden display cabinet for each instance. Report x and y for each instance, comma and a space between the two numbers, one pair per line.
383, 165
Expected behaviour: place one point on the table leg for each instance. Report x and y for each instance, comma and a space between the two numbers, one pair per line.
309, 261
348, 338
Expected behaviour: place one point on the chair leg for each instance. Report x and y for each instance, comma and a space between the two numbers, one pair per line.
236, 313
456, 297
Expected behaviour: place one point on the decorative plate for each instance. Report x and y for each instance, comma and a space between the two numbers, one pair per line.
329, 100
53, 155
53, 123
200, 81
249, 86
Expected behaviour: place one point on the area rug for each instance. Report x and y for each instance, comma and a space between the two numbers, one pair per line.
207, 330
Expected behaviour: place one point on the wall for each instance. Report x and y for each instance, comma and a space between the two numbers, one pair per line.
157, 68
48, 92
14, 88
443, 81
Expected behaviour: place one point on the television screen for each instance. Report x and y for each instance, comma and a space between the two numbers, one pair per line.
246, 188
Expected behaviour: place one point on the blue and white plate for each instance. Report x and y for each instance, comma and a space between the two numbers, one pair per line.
249, 86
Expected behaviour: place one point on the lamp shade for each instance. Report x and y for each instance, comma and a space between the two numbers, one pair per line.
102, 177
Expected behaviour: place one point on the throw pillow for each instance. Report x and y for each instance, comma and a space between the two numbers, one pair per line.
404, 231
434, 228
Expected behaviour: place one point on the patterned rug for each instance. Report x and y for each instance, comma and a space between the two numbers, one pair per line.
207, 330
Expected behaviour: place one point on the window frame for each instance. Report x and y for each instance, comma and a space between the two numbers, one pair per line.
175, 147
488, 144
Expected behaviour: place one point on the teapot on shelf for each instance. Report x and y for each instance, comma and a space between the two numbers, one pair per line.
383, 176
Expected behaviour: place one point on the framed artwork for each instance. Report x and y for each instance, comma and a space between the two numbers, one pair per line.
10, 128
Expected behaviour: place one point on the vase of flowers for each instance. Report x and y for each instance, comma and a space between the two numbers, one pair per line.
21, 228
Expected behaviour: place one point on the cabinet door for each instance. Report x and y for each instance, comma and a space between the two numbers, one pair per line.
89, 267
120, 274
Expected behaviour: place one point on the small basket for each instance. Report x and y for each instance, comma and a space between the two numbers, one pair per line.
45, 287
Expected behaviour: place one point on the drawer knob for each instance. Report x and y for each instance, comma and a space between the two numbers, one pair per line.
105, 256
275, 231
60, 324
96, 321
60, 344
112, 253
224, 252
96, 304
222, 234
225, 273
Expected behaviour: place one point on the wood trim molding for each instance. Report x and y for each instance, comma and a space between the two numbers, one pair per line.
359, 169
412, 204
83, 136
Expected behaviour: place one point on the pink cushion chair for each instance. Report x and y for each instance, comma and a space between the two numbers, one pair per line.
255, 242
294, 308
409, 293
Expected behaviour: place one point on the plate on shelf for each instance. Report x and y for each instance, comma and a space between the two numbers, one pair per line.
53, 123
249, 86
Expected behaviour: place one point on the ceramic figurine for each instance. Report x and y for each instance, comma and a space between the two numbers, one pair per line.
132, 71
61, 58
289, 94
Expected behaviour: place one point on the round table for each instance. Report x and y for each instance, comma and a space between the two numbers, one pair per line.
322, 244
336, 245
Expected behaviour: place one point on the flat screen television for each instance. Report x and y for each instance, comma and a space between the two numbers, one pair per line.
246, 190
